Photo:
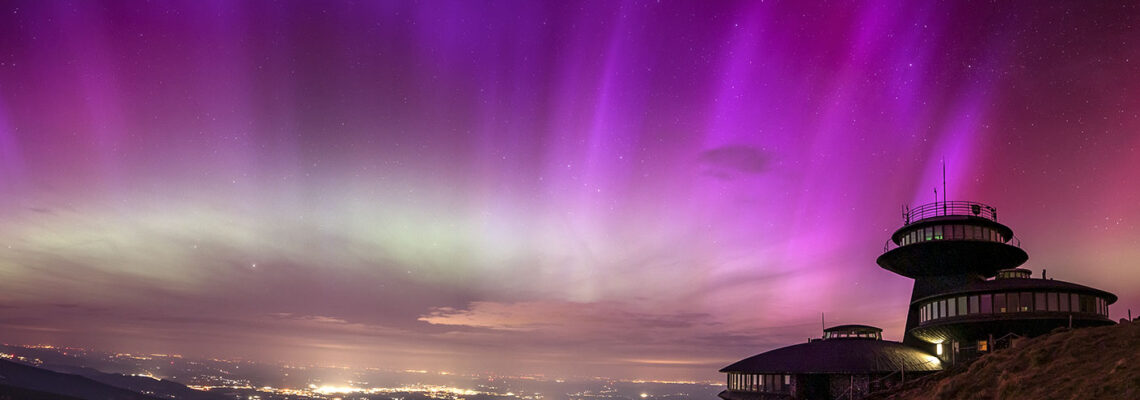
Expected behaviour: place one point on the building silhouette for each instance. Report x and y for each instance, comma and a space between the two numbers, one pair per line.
969, 298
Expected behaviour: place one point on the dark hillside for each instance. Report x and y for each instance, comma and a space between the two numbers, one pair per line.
1091, 363
23, 381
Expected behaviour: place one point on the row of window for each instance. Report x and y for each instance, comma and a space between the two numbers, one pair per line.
759, 383
846, 334
1012, 302
940, 232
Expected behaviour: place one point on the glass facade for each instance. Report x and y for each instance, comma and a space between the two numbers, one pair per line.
1014, 302
954, 232
766, 383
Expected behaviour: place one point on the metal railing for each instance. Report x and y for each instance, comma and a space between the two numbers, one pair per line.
941, 208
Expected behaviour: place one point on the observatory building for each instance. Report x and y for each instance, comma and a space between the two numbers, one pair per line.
850, 361
969, 298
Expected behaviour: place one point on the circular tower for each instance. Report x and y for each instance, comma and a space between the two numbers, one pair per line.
945, 245
951, 250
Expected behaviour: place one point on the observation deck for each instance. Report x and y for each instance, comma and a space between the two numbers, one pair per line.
944, 208
949, 238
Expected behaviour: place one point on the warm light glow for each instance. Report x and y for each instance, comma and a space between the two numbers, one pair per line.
938, 348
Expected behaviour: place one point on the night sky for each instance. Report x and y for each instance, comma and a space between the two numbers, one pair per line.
635, 189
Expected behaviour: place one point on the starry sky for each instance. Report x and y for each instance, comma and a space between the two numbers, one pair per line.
636, 189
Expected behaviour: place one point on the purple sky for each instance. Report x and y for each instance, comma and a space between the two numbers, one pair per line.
634, 189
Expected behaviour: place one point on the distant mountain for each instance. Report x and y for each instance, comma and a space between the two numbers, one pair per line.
1087, 363
141, 384
19, 381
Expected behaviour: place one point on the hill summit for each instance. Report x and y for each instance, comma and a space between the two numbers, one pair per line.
1089, 363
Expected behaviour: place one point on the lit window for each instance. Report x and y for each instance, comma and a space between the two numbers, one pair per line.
938, 232
973, 304
961, 306
1026, 301
983, 345
999, 303
938, 348
1013, 300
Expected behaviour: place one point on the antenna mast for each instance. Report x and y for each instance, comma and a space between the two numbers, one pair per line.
944, 199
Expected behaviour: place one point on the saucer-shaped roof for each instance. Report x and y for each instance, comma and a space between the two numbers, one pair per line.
846, 356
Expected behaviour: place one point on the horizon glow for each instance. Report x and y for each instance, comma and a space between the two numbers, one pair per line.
636, 189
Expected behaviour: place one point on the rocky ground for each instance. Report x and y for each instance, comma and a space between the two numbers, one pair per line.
1091, 363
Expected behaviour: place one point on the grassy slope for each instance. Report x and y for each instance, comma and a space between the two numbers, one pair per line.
1092, 363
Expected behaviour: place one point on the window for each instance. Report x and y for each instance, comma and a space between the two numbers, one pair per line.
961, 306
987, 304
1064, 302
983, 345
937, 311
999, 303
1014, 302
1053, 302
1087, 304
1039, 302
969, 232
953, 308
938, 232
787, 379
1026, 301
973, 304
929, 233
1074, 303
959, 231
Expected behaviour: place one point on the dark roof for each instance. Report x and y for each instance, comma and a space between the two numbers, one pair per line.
1022, 284
850, 356
853, 327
